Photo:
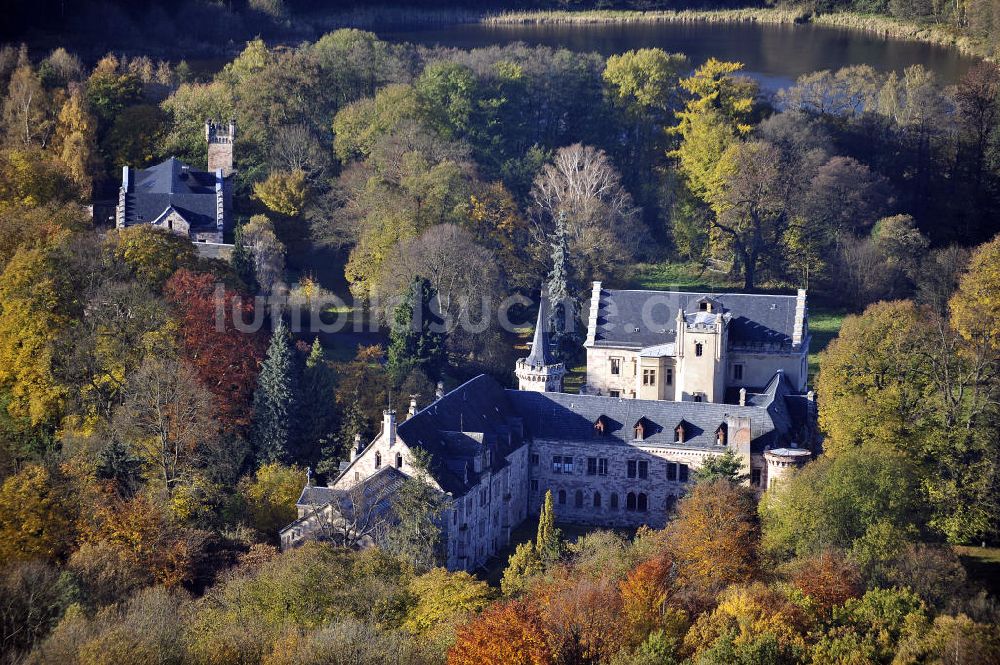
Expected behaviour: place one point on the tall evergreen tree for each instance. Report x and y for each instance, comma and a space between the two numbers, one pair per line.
242, 260
560, 288
413, 343
548, 539
317, 412
275, 401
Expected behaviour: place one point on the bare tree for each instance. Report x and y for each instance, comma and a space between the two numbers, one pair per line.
604, 225
297, 148
267, 251
168, 417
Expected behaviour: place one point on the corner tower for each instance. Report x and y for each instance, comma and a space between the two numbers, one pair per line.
540, 372
220, 140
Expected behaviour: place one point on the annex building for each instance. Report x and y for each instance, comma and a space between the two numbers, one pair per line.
610, 460
177, 198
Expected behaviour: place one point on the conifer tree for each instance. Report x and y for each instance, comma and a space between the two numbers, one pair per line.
413, 343
317, 414
548, 540
560, 287
275, 401
243, 260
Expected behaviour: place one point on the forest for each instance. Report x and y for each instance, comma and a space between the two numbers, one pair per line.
148, 458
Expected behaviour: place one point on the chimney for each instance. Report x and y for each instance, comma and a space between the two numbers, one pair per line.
743, 396
740, 436
356, 448
389, 425
799, 331
439, 391
413, 406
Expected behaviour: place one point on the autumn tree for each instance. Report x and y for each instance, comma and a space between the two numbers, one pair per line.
444, 600
604, 227
37, 515
225, 359
270, 495
508, 633
713, 539
152, 255
265, 254
644, 594
76, 142
828, 578
283, 193
168, 416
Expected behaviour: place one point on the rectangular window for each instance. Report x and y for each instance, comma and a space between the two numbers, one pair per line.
649, 377
631, 468
591, 466
534, 459
697, 397
644, 469
614, 393
683, 473
616, 366
671, 471
567, 464
602, 466
755, 477
737, 372
670, 376
557, 464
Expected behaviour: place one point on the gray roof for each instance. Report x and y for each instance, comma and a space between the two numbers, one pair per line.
756, 319
462, 424
482, 415
572, 417
171, 184
541, 353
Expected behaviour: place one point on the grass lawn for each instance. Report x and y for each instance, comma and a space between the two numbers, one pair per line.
983, 565
824, 325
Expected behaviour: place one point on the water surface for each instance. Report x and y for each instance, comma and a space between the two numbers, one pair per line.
774, 54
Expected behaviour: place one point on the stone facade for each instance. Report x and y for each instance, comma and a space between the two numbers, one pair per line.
711, 346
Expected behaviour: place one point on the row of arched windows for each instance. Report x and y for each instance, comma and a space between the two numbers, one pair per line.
633, 501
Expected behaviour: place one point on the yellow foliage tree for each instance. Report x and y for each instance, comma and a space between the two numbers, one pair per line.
976, 303
76, 141
37, 516
444, 600
283, 193
271, 495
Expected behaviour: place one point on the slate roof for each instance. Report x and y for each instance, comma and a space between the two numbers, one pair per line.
541, 353
571, 417
460, 425
757, 319
481, 414
172, 184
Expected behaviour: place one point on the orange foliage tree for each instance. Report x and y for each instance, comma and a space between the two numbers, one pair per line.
829, 579
226, 359
714, 538
510, 633
583, 619
644, 594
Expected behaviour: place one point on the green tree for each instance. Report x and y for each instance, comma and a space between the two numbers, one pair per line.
548, 539
560, 291
522, 566
414, 340
446, 93
275, 400
317, 408
727, 466
418, 507
269, 497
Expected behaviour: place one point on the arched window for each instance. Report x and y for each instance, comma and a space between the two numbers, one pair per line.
614, 501
399, 460
642, 503
578, 500
378, 460
562, 497
699, 348
630, 501
597, 499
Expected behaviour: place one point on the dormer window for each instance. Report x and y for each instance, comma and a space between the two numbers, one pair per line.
720, 435
601, 426
679, 433
643, 428
703, 306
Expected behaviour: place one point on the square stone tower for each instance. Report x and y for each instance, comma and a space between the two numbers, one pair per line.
220, 140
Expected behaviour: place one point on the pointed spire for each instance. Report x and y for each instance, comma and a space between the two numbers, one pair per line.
540, 353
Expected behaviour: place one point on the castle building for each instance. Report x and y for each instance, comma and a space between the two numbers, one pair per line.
609, 461
540, 372
173, 196
698, 347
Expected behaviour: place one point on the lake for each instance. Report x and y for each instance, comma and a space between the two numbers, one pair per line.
773, 54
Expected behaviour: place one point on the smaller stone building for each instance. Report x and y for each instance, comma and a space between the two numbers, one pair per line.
177, 198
